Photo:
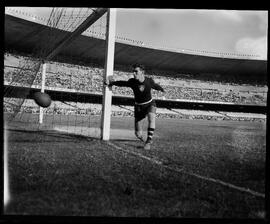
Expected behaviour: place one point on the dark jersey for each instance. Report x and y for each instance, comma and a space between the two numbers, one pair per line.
141, 90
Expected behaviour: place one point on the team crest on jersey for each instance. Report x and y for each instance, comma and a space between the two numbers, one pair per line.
141, 88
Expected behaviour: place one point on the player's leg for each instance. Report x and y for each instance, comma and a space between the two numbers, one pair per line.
139, 122
151, 126
139, 128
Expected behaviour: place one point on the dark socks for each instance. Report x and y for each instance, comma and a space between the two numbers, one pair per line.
150, 134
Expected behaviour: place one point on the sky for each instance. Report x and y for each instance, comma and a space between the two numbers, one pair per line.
221, 31
207, 30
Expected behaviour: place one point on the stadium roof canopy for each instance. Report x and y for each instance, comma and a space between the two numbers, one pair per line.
26, 36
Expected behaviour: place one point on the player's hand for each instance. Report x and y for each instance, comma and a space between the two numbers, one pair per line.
107, 82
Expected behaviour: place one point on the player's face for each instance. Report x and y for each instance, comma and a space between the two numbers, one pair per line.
138, 73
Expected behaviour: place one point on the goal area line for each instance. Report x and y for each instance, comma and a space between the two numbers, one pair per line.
182, 170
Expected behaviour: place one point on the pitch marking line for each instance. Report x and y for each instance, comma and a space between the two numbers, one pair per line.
242, 189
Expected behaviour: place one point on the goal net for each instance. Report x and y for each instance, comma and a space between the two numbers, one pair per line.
70, 84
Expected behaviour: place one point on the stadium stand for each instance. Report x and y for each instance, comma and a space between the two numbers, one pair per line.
82, 78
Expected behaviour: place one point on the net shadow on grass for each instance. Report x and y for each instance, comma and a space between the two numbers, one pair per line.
51, 133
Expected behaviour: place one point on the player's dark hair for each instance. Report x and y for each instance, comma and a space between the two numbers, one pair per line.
137, 65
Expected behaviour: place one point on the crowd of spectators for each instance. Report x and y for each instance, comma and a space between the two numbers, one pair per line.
125, 113
89, 79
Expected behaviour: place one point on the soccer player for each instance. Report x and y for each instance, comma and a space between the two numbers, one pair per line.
145, 105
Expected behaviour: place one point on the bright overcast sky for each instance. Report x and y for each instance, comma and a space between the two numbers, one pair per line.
224, 31
208, 30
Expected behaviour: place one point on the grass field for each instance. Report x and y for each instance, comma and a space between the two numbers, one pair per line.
195, 169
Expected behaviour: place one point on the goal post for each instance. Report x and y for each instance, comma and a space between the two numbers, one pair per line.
43, 77
109, 66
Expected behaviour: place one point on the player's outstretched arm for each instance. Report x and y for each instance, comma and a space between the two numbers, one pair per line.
157, 86
110, 82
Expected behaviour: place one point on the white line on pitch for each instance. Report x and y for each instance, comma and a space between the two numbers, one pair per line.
242, 189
